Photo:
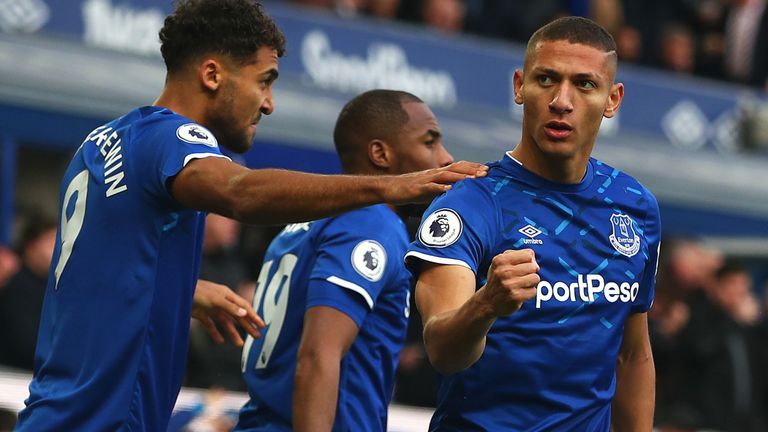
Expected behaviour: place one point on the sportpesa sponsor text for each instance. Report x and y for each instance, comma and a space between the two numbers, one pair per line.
586, 288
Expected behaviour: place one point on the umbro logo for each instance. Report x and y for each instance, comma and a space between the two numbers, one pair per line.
531, 232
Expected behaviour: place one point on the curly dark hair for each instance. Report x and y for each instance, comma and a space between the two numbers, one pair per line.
236, 28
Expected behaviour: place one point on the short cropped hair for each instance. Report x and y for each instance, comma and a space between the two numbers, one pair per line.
375, 114
730, 268
235, 28
34, 228
576, 30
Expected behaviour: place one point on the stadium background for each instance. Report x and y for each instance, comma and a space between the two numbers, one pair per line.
66, 66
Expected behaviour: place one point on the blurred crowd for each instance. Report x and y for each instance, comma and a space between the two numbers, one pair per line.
710, 342
708, 329
719, 39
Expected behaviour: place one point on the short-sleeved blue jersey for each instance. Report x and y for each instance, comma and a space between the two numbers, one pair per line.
353, 263
550, 365
113, 337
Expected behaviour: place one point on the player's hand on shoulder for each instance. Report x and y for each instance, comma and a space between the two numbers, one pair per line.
512, 279
422, 186
216, 305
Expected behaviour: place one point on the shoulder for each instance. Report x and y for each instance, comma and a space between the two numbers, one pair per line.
166, 123
623, 181
468, 195
368, 217
377, 222
373, 237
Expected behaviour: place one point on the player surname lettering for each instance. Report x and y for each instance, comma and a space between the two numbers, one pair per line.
588, 288
108, 142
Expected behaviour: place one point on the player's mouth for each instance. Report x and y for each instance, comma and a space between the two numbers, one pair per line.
558, 130
254, 124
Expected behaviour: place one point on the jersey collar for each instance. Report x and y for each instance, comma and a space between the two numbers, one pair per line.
516, 169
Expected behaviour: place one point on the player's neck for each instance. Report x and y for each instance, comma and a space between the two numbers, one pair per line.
368, 169
181, 101
560, 170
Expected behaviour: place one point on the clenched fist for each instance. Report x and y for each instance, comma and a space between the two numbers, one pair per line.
512, 279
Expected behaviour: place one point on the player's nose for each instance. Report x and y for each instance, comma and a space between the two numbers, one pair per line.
562, 99
444, 157
267, 106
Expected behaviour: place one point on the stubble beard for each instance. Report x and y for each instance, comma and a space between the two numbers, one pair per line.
224, 125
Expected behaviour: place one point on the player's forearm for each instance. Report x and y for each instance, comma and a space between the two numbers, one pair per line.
280, 196
315, 392
455, 339
635, 397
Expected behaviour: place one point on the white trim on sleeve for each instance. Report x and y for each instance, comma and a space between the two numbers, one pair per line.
202, 156
436, 260
353, 287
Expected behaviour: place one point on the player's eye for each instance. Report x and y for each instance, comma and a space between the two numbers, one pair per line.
545, 79
587, 84
266, 82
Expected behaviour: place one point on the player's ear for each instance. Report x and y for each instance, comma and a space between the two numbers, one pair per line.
210, 73
380, 154
518, 86
614, 100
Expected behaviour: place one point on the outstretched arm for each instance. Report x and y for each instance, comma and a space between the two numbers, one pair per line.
635, 396
271, 196
327, 335
216, 304
457, 318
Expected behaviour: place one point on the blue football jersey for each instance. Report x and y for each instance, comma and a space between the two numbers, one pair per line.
113, 336
550, 365
353, 263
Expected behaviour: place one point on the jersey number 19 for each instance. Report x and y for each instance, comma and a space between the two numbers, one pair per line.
274, 298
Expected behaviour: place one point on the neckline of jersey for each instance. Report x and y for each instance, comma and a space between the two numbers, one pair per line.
516, 168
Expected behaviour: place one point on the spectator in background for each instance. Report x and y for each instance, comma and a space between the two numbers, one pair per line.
222, 262
692, 266
607, 13
629, 44
9, 265
444, 15
709, 28
210, 364
686, 274
678, 48
649, 18
22, 299
723, 379
733, 293
746, 37
384, 8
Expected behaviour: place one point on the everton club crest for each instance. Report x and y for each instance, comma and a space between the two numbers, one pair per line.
624, 238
